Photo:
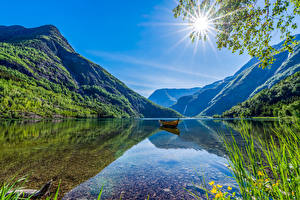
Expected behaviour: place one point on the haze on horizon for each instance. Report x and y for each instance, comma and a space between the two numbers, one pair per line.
133, 41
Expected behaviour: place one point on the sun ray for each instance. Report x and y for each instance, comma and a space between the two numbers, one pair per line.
199, 9
182, 40
202, 21
208, 13
190, 14
195, 11
228, 14
189, 28
164, 24
178, 31
217, 30
196, 45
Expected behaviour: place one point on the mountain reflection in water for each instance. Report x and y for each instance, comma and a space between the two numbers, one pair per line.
162, 165
131, 158
71, 150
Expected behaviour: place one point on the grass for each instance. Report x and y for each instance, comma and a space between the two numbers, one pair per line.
9, 191
267, 169
263, 168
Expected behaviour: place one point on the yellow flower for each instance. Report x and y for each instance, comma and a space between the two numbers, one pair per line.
229, 188
273, 184
267, 180
219, 186
220, 194
214, 190
211, 183
260, 173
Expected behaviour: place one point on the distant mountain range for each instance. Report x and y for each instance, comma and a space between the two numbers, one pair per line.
221, 95
168, 97
42, 76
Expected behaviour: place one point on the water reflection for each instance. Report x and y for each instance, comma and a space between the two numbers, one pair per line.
175, 131
163, 164
71, 151
196, 134
131, 158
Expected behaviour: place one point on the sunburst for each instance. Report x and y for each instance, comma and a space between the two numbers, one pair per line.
201, 22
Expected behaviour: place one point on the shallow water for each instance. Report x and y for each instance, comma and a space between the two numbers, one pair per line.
129, 158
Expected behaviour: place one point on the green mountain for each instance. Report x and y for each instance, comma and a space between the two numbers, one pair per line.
283, 99
167, 97
41, 76
244, 84
193, 104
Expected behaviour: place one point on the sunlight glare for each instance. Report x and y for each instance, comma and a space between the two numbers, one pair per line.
200, 24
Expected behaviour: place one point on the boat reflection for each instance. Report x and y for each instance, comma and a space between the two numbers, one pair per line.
170, 130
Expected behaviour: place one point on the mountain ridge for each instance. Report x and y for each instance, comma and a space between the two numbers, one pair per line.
281, 100
245, 83
42, 58
168, 96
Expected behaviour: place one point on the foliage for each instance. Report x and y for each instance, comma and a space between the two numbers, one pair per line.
23, 96
41, 76
245, 25
282, 100
12, 189
266, 169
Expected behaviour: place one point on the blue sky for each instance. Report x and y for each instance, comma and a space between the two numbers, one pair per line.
132, 39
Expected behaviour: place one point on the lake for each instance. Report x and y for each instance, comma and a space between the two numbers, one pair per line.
130, 158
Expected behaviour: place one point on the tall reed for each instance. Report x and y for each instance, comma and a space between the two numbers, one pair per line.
266, 168
263, 168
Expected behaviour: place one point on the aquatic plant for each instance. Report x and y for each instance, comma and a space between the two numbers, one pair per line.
266, 168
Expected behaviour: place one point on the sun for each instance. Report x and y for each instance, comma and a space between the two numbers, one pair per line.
201, 21
200, 24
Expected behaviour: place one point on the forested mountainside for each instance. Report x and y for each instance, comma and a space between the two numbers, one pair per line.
282, 100
42, 76
245, 83
167, 97
193, 104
